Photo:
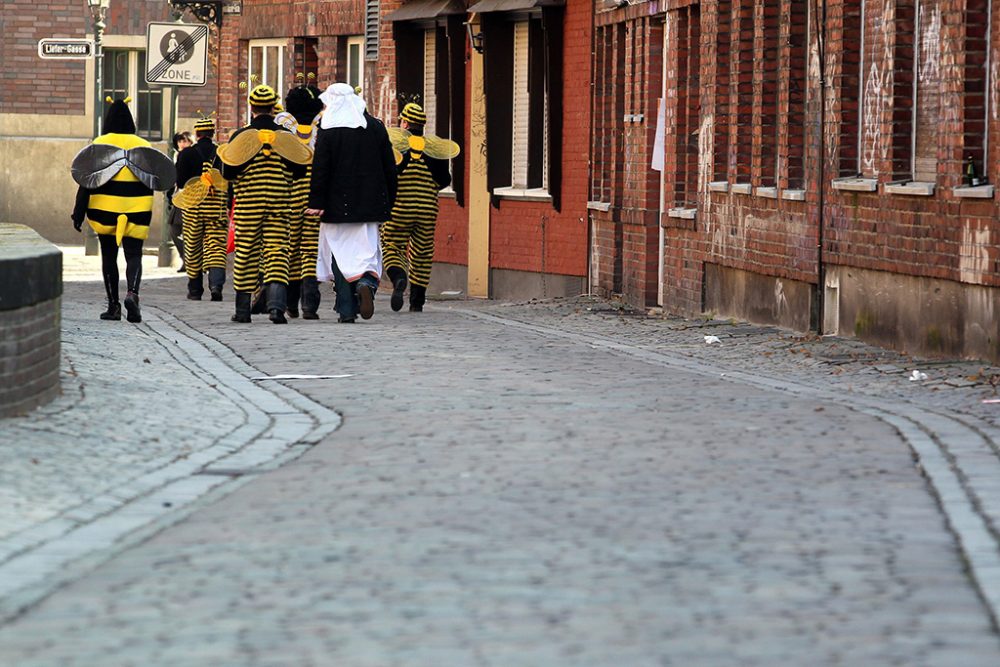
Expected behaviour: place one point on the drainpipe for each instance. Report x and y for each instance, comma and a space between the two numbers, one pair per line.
820, 21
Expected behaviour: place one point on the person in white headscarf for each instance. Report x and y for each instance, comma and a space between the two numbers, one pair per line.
352, 190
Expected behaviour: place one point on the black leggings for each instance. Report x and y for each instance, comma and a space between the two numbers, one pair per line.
109, 264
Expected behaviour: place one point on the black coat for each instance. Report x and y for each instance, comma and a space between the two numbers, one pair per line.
353, 174
190, 160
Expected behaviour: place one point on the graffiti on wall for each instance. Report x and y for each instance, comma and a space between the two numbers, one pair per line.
929, 66
878, 91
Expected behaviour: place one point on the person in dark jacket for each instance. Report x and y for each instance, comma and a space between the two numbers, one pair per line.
352, 190
202, 201
180, 141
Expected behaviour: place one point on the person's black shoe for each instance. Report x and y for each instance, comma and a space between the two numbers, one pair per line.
242, 307
416, 309
114, 311
398, 287
217, 295
277, 317
346, 320
132, 307
309, 315
366, 302
182, 269
418, 294
196, 288
292, 311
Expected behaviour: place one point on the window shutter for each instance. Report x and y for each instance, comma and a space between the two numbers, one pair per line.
429, 102
371, 29
522, 107
409, 64
553, 19
927, 115
456, 101
498, 38
537, 138
442, 115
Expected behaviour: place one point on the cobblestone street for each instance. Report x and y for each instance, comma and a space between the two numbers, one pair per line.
558, 483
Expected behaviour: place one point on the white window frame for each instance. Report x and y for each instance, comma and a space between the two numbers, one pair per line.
356, 67
263, 44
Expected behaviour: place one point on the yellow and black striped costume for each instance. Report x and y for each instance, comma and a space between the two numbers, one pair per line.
123, 206
408, 238
303, 232
262, 161
203, 212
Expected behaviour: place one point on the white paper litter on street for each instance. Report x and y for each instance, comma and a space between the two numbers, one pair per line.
712, 339
300, 377
917, 376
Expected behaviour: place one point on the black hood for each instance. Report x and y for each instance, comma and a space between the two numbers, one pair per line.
119, 119
303, 104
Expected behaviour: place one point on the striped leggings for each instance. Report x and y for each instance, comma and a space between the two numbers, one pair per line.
204, 237
408, 244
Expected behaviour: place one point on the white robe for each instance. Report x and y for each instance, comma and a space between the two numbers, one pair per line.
356, 247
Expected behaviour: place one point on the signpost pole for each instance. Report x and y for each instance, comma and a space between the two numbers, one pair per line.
91, 245
166, 251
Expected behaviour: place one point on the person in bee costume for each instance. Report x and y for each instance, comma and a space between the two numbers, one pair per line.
202, 201
117, 175
408, 238
262, 161
303, 107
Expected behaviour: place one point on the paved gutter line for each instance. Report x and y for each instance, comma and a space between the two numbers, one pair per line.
281, 425
941, 443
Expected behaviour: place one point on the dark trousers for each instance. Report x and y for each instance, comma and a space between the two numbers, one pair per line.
347, 305
109, 264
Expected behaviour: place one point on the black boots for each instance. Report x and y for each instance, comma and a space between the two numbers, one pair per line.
195, 288
216, 281
418, 295
292, 298
114, 311
242, 307
398, 278
310, 298
276, 302
132, 308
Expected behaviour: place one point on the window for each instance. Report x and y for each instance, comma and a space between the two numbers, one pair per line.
371, 29
744, 90
354, 74
723, 47
850, 84
978, 19
688, 88
267, 65
530, 122
927, 100
797, 40
523, 79
430, 70
124, 76
306, 55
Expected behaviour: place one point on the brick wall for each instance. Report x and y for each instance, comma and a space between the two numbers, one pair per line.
938, 236
28, 83
30, 291
916, 100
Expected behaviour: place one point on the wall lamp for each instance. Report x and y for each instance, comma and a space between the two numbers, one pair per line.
475, 39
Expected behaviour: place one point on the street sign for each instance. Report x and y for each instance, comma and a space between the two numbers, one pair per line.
176, 54
70, 48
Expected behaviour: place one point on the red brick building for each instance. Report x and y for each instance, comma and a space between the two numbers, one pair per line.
514, 222
47, 106
826, 165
